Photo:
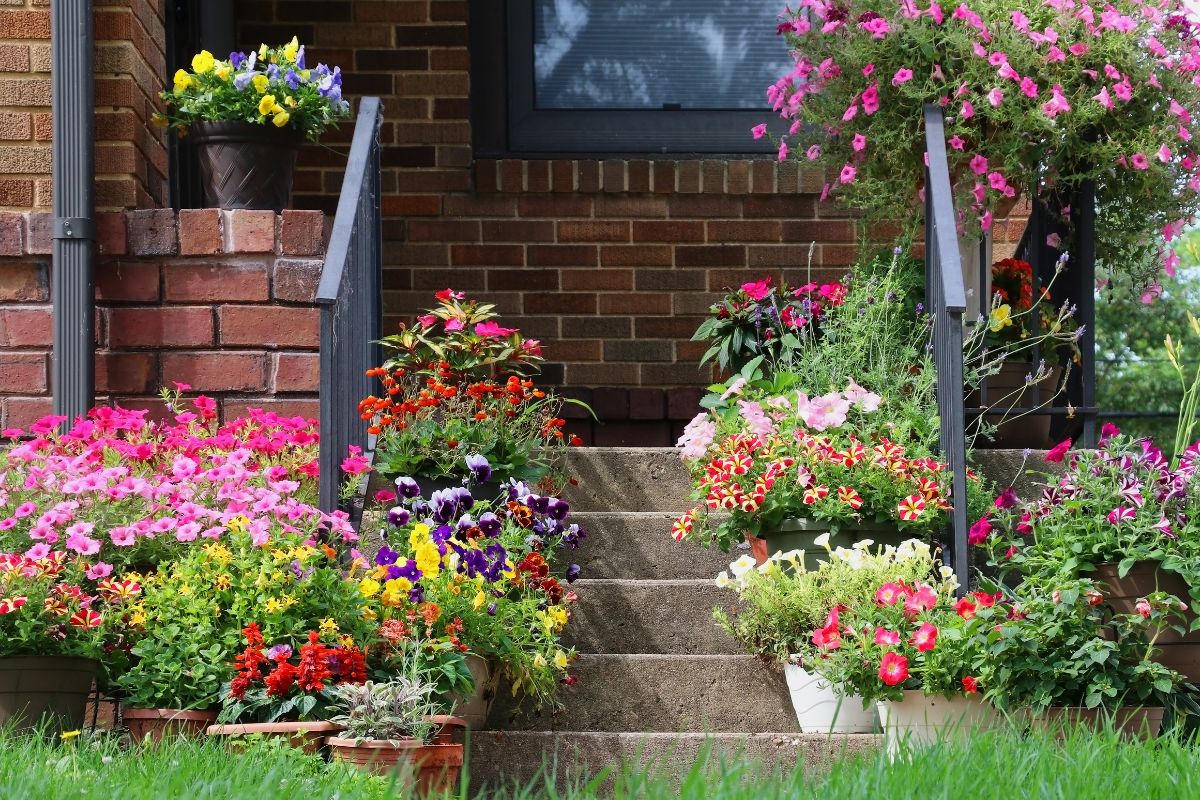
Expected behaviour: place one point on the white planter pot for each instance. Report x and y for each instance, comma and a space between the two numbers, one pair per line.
821, 709
922, 719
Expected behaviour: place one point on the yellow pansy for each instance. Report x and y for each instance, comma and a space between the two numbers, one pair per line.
203, 62
266, 104
329, 627
418, 534
260, 83
304, 74
291, 49
394, 592
223, 72
1000, 318
539, 661
281, 119
289, 101
368, 587
182, 80
262, 51
428, 559
560, 660
480, 600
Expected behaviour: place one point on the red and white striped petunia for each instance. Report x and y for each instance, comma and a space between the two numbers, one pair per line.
815, 494
911, 508
850, 497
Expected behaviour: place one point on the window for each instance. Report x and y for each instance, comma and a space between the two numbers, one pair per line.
598, 76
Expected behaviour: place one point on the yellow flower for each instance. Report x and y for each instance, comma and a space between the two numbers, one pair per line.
280, 555
539, 661
329, 626
291, 48
428, 559
184, 590
266, 104
238, 524
289, 601
395, 592
262, 51
222, 582
304, 74
138, 618
274, 606
418, 534
281, 119
202, 62
369, 614
223, 72
158, 119
260, 83
182, 80
69, 735
1000, 318
561, 660
368, 587
480, 600
289, 101
219, 552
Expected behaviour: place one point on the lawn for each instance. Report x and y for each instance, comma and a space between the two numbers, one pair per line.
992, 765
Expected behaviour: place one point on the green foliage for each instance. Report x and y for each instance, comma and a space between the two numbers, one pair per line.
177, 665
271, 86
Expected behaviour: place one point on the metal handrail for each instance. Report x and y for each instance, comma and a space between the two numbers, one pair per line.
349, 297
947, 302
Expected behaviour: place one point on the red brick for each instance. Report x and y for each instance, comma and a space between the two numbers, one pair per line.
22, 373
295, 372
475, 205
24, 282
782, 255
762, 175
684, 207
200, 231
111, 233
12, 234
588, 173
791, 207
828, 230
127, 281
39, 228
559, 303
562, 174
637, 255
561, 255
24, 24
613, 175
673, 231
487, 255
637, 303
14, 58
249, 231
683, 403
554, 206
766, 231
126, 373
26, 326
186, 282
295, 280
291, 407
17, 193
411, 205
631, 206
607, 280
710, 255
152, 232
664, 177
687, 177
303, 233
21, 412
500, 280
443, 230
173, 326
217, 371
270, 326
647, 403
594, 231
518, 231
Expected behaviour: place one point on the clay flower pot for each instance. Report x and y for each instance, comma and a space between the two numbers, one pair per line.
451, 730
474, 710
308, 736
161, 723
433, 768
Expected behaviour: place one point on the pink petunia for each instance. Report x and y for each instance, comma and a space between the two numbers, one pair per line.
979, 164
1138, 160
847, 174
995, 97
1121, 514
758, 131
968, 110
996, 181
1103, 98
122, 536
813, 153
902, 76
1164, 154
1058, 452
870, 99
868, 70
783, 150
1029, 87
956, 142
858, 143
99, 570
886, 638
38, 551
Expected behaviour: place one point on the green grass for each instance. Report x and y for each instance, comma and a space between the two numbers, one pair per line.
994, 765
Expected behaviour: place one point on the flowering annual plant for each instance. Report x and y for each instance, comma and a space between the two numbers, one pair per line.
914, 635
272, 85
478, 575
829, 458
280, 682
1038, 98
1061, 647
762, 319
125, 492
1122, 502
52, 603
454, 389
780, 604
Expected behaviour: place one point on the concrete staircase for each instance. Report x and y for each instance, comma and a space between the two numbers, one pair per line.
658, 679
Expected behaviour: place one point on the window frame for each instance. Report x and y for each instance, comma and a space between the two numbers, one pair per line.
506, 123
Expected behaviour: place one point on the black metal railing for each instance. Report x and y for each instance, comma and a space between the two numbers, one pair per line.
947, 301
349, 296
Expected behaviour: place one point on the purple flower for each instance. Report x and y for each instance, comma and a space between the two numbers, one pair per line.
410, 571
236, 58
278, 650
299, 572
573, 573
398, 517
481, 470
1007, 499
407, 487
557, 509
242, 80
273, 72
448, 504
491, 609
489, 523
300, 57
416, 595
441, 534
292, 79
386, 556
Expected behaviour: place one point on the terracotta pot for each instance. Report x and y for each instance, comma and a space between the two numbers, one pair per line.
1008, 388
474, 710
822, 709
450, 730
308, 736
920, 719
49, 689
434, 768
161, 723
245, 165
800, 534
1180, 652
1134, 722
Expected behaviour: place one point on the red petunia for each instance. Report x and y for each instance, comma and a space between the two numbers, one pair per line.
970, 685
893, 669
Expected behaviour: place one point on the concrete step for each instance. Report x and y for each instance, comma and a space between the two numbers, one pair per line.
505, 759
633, 544
649, 616
628, 479
640, 693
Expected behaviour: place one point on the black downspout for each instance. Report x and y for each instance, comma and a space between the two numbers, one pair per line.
72, 281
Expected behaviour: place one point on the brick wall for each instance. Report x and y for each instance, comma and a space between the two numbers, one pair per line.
131, 158
219, 300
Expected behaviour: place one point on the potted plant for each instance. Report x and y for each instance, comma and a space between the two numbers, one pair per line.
59, 617
911, 652
1063, 657
484, 578
1121, 514
286, 693
389, 728
248, 116
457, 403
1037, 99
173, 683
780, 603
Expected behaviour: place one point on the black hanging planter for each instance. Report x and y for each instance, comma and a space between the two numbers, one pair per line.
244, 165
